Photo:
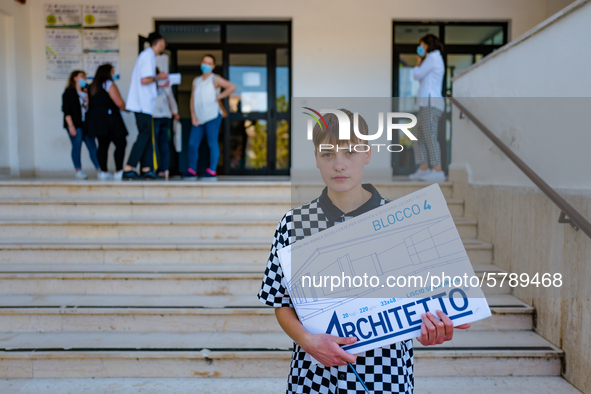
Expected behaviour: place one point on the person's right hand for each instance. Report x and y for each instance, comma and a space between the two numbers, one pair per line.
194, 121
162, 75
72, 131
327, 350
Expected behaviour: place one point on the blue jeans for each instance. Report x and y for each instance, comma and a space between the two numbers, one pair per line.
77, 148
211, 130
161, 128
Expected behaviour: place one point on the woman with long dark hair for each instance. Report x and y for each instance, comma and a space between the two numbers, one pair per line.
105, 121
74, 106
429, 71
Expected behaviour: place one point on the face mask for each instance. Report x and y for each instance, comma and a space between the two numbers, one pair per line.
420, 51
206, 68
82, 83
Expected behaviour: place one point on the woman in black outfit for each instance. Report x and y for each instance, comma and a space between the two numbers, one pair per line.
74, 106
105, 121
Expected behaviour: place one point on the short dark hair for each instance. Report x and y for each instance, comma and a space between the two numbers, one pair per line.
208, 55
321, 135
153, 38
432, 42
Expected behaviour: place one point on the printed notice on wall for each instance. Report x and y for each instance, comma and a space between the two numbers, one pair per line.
101, 16
101, 40
63, 15
63, 41
60, 66
93, 61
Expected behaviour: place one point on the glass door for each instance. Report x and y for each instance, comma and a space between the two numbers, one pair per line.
257, 131
254, 55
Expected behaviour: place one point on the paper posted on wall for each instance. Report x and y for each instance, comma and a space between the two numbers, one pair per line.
413, 237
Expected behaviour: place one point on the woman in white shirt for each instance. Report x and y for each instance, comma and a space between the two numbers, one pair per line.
429, 71
206, 116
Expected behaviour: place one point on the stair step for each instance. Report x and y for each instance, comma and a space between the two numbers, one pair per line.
42, 279
242, 313
261, 208
170, 354
391, 189
141, 251
424, 385
161, 230
144, 189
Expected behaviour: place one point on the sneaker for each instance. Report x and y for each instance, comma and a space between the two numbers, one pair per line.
208, 175
190, 175
130, 175
81, 175
104, 176
150, 175
433, 176
118, 176
419, 173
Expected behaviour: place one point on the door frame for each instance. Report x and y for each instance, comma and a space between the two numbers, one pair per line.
449, 49
271, 116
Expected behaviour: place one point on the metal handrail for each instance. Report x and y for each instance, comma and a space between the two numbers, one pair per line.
568, 214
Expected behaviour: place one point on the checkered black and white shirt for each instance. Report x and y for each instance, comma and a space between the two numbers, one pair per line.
384, 370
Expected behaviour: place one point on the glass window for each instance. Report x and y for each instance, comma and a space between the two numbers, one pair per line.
282, 148
411, 34
257, 34
248, 144
484, 35
282, 80
248, 71
191, 33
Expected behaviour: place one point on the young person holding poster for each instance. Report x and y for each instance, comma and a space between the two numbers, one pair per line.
388, 369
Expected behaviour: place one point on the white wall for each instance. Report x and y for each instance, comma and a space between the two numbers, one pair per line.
18, 136
340, 48
550, 135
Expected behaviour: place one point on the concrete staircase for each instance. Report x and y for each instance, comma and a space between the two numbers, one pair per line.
149, 281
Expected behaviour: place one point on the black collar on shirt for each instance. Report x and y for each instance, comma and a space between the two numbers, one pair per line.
334, 214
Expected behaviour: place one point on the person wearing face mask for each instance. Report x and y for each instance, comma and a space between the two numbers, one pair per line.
429, 71
105, 121
206, 117
74, 107
141, 100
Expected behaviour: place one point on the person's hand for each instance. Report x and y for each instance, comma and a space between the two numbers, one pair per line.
162, 75
327, 350
194, 121
419, 60
435, 331
72, 131
167, 84
176, 116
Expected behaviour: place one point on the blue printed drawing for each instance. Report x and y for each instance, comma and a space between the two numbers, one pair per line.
431, 243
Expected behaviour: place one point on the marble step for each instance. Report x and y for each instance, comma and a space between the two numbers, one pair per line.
424, 385
25, 279
178, 251
169, 354
145, 189
161, 230
292, 191
260, 208
239, 313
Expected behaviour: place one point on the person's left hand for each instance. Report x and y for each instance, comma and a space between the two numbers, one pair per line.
176, 116
435, 331
419, 60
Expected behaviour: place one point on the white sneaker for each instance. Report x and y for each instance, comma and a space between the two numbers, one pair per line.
118, 176
105, 176
434, 176
81, 175
419, 173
